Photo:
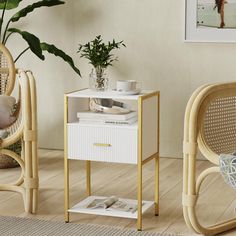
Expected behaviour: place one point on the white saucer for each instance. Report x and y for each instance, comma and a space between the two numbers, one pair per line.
132, 92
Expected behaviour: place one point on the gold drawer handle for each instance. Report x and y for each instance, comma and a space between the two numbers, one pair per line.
102, 144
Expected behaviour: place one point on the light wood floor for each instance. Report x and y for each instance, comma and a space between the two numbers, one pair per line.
216, 203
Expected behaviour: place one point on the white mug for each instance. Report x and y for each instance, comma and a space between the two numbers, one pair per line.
126, 85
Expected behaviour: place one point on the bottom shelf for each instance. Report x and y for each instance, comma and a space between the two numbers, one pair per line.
81, 207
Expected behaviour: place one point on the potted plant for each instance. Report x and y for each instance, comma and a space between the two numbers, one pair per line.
100, 56
34, 45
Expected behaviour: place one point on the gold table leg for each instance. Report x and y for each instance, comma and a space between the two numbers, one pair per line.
140, 164
157, 185
88, 177
66, 163
157, 161
66, 197
139, 220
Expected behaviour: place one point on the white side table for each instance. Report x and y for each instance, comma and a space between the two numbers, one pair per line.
134, 144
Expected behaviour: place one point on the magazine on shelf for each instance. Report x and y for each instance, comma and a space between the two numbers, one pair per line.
112, 204
102, 121
104, 116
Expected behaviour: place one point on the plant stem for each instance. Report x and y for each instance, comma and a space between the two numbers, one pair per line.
3, 13
7, 38
4, 35
99, 71
21, 54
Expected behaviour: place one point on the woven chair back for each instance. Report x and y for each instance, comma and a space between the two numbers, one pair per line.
7, 71
220, 125
217, 122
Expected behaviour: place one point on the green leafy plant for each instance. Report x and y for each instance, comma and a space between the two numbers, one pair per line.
99, 53
34, 43
100, 56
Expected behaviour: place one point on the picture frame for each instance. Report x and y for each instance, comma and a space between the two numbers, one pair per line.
203, 21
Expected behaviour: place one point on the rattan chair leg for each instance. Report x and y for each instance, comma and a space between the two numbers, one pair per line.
34, 140
27, 143
185, 156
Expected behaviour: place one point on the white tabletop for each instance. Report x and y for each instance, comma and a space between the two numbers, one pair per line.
88, 93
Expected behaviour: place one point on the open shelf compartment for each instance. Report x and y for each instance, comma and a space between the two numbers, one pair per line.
81, 208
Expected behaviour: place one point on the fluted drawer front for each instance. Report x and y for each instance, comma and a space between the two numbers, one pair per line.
101, 143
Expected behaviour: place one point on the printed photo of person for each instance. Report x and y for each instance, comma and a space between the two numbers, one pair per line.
220, 5
216, 14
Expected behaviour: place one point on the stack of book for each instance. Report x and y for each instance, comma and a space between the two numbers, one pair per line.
90, 117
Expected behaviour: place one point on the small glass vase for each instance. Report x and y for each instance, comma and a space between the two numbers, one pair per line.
98, 80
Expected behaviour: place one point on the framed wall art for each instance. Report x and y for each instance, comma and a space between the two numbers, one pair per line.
210, 20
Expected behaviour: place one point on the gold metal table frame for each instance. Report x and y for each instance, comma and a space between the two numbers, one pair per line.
140, 164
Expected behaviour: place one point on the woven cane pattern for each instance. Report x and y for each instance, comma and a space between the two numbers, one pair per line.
220, 125
4, 73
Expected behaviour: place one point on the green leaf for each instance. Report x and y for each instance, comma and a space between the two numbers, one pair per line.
32, 40
11, 4
59, 53
30, 8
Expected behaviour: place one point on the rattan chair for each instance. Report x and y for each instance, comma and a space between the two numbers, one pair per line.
24, 129
209, 126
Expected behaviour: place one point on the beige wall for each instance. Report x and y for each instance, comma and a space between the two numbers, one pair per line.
54, 77
155, 55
